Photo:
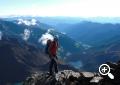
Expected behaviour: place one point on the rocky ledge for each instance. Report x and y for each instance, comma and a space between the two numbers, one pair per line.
69, 77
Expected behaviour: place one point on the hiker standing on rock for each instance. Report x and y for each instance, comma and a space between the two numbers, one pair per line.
52, 47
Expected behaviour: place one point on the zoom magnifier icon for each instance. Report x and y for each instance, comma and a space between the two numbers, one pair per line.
104, 69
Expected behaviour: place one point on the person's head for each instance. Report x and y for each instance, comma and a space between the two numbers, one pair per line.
49, 41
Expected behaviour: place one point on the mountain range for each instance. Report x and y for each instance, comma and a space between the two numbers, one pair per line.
83, 45
21, 57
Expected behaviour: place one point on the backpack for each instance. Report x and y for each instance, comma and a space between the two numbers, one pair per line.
47, 46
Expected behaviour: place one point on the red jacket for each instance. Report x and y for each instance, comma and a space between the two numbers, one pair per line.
53, 48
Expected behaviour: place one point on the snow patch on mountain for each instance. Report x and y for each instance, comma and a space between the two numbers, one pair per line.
86, 46
46, 36
26, 34
50, 30
64, 33
79, 44
27, 22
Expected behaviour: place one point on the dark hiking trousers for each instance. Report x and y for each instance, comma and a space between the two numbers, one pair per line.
53, 64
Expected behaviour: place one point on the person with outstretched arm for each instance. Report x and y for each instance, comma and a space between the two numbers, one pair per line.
52, 52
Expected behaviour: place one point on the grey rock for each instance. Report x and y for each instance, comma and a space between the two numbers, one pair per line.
69, 77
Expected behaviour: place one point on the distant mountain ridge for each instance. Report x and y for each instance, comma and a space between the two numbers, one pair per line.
67, 45
102, 44
20, 57
65, 19
91, 32
102, 37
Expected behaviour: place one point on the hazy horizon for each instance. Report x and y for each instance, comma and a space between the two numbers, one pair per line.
68, 8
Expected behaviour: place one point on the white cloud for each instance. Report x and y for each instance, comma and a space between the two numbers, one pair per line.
1, 35
46, 37
26, 34
20, 21
27, 22
33, 22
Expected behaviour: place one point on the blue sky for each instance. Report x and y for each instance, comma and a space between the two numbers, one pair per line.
82, 8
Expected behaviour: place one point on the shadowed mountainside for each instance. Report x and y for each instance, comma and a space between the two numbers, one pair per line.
19, 59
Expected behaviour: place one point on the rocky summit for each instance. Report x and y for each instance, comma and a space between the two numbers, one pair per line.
69, 77
65, 77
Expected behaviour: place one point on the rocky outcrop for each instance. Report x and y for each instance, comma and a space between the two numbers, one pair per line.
69, 77
66, 77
